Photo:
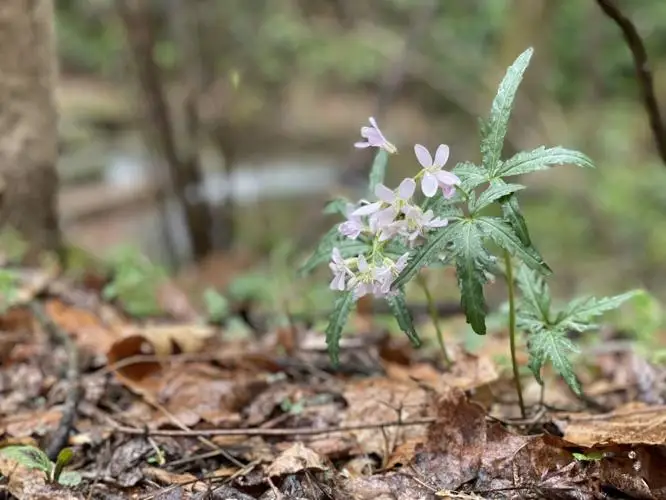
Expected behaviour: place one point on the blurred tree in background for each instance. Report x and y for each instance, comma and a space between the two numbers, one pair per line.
28, 125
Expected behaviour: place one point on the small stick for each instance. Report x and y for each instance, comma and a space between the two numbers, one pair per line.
296, 431
256, 431
60, 437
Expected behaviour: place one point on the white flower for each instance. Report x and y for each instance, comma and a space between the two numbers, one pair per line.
417, 222
394, 202
375, 138
340, 271
434, 176
353, 226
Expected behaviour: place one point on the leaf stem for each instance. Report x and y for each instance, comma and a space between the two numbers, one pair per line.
432, 312
512, 329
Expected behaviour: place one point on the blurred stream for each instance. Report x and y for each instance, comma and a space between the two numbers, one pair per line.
120, 166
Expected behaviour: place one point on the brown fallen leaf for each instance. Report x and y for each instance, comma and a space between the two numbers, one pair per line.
455, 445
160, 341
31, 423
391, 486
194, 392
165, 477
89, 331
379, 400
634, 423
295, 459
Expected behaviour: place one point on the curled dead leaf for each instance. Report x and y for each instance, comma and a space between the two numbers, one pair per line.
635, 423
158, 341
296, 458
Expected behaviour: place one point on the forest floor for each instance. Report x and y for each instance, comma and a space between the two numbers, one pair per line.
178, 408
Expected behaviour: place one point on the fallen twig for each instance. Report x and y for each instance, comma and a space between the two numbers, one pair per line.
60, 436
643, 72
256, 431
295, 431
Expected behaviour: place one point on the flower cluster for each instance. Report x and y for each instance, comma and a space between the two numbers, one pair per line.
393, 216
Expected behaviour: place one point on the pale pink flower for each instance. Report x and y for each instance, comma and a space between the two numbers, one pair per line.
375, 138
393, 201
353, 226
340, 270
417, 222
434, 176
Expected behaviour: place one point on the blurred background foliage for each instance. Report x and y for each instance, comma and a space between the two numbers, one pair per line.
285, 85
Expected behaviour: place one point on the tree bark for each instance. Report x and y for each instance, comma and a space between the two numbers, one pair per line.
28, 124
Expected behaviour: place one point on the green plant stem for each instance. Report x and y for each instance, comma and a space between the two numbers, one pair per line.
432, 311
512, 330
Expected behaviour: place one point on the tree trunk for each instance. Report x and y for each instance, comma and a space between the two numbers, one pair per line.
184, 169
28, 124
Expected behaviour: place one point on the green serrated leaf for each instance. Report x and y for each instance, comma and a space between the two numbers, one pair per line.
580, 312
472, 260
494, 130
552, 345
343, 307
398, 305
542, 158
504, 236
511, 213
337, 206
394, 249
470, 175
333, 238
493, 193
29, 456
70, 478
535, 294
426, 254
378, 170
441, 207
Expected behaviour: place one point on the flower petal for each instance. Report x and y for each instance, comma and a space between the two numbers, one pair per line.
361, 144
384, 193
407, 188
337, 256
363, 264
447, 178
368, 209
442, 155
448, 191
373, 122
429, 185
423, 156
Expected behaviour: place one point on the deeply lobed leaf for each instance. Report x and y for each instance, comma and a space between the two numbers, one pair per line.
542, 158
398, 305
494, 129
472, 261
513, 216
551, 344
470, 175
343, 307
426, 254
580, 312
504, 236
535, 292
494, 192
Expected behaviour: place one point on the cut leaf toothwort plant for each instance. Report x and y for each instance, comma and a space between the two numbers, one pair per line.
385, 242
